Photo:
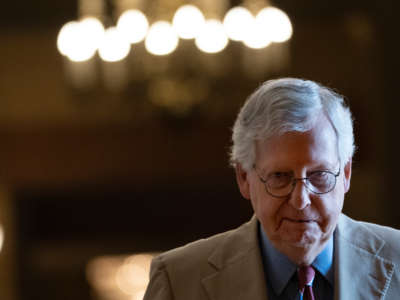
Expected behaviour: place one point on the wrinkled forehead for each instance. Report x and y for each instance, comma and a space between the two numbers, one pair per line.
315, 146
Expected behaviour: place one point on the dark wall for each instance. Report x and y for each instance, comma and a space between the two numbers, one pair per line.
144, 179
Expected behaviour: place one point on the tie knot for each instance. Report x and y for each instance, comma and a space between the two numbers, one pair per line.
306, 275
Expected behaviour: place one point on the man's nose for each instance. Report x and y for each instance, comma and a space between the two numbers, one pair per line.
300, 196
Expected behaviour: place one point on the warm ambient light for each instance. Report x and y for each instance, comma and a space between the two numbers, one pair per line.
132, 278
237, 23
65, 37
212, 38
1, 237
139, 295
188, 21
257, 36
133, 25
161, 38
119, 277
276, 23
80, 40
113, 46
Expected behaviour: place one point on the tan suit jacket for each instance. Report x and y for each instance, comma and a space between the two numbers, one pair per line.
228, 266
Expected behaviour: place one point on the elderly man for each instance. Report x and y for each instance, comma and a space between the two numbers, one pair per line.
292, 152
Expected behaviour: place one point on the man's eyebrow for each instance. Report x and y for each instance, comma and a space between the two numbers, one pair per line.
324, 166
270, 170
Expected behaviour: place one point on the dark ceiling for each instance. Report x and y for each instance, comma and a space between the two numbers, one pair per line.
48, 13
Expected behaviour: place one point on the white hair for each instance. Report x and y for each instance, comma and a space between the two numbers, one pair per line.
289, 104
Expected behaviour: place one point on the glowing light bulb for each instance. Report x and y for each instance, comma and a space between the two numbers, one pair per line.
161, 38
212, 38
80, 40
188, 21
237, 23
275, 23
113, 46
256, 37
65, 37
93, 28
133, 25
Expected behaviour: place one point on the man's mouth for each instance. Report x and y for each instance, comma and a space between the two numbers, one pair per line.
300, 220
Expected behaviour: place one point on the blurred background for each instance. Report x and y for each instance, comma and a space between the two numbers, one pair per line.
115, 120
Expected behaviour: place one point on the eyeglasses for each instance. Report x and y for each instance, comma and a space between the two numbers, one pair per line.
282, 184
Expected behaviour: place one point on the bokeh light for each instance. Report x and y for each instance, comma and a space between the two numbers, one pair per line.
120, 277
237, 23
133, 25
276, 24
101, 271
65, 37
161, 38
113, 46
94, 27
212, 38
1, 237
257, 37
80, 40
139, 295
188, 21
132, 278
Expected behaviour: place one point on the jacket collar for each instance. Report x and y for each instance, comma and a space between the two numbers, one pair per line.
360, 271
238, 267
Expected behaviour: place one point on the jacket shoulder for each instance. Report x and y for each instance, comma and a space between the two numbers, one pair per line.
194, 252
390, 235
176, 274
364, 233
179, 272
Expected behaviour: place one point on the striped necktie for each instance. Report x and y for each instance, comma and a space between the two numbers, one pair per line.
306, 276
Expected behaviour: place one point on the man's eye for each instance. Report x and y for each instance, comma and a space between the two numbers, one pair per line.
281, 175
277, 175
320, 178
279, 179
319, 175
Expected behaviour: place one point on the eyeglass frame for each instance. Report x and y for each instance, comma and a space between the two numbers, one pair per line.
294, 182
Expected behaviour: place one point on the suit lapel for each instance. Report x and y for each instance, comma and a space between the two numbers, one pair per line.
239, 271
359, 270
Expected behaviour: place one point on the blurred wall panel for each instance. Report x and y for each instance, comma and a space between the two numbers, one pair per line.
8, 240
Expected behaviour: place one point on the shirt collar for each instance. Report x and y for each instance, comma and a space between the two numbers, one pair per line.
279, 269
324, 262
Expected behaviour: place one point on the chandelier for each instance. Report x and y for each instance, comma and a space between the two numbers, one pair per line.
143, 38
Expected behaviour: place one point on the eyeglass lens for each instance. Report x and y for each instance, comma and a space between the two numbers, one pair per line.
282, 184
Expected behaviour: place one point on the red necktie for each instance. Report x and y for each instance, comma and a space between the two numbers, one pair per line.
306, 276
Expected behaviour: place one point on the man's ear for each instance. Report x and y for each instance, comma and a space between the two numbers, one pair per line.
347, 175
242, 181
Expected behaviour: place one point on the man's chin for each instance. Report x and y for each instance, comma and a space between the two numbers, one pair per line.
302, 234
301, 239
301, 242
299, 249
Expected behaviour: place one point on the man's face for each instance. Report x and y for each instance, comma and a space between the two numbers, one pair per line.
300, 224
